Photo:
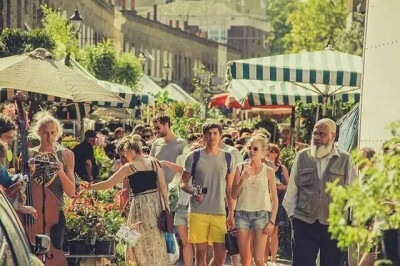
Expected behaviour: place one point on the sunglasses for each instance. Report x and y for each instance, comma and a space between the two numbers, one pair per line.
252, 148
147, 136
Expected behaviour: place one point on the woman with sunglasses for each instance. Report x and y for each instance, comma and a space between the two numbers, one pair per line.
282, 179
254, 187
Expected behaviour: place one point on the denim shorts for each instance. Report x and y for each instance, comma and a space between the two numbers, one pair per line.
251, 220
181, 216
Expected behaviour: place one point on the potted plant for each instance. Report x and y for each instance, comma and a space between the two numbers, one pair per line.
80, 218
111, 221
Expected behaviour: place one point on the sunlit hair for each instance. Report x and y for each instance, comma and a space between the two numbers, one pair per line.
275, 149
260, 139
134, 144
3, 152
43, 118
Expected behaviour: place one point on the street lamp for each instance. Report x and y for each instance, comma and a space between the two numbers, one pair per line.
143, 59
167, 68
76, 21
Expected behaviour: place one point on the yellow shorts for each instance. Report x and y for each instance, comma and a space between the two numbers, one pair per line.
205, 228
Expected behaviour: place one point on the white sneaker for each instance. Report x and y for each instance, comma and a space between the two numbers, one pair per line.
274, 264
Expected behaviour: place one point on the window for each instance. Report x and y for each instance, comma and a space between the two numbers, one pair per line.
6, 253
223, 36
214, 35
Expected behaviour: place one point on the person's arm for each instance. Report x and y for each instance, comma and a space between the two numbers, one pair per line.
67, 176
290, 200
187, 174
229, 199
274, 193
351, 173
162, 186
113, 180
89, 169
173, 166
185, 183
241, 176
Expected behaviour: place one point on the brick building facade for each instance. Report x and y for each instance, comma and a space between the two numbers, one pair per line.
161, 44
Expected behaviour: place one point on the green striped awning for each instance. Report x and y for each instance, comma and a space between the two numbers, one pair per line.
321, 67
260, 93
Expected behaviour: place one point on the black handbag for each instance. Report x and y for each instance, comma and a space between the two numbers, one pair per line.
231, 244
165, 221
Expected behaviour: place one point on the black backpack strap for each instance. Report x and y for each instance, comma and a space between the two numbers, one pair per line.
196, 157
228, 159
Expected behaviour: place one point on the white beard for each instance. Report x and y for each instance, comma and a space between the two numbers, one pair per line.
319, 152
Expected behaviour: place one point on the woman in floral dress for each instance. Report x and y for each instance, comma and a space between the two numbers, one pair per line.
147, 183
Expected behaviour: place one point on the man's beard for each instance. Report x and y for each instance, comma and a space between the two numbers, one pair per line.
319, 152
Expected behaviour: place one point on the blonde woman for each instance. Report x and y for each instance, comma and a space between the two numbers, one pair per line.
147, 183
254, 187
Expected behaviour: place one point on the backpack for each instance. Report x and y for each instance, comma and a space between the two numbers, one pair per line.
196, 157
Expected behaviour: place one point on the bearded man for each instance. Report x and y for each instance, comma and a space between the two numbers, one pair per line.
306, 201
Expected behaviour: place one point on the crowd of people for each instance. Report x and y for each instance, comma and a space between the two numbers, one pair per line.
225, 179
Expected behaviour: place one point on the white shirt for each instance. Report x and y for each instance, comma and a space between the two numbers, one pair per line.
236, 155
290, 200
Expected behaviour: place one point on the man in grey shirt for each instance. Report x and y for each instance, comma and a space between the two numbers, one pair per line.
168, 146
207, 222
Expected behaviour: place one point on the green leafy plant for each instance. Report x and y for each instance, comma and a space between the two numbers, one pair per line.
61, 31
100, 60
374, 198
104, 163
314, 24
15, 41
287, 157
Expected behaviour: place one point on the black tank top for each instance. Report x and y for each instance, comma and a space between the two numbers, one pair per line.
142, 181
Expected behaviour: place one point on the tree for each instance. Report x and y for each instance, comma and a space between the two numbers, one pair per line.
351, 41
61, 31
15, 41
315, 23
100, 60
128, 70
278, 13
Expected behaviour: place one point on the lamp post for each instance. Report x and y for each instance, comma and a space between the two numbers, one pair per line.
167, 68
77, 22
143, 59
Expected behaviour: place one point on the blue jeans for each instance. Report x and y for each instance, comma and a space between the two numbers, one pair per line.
251, 220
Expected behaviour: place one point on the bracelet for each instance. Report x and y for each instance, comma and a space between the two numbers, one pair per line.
271, 222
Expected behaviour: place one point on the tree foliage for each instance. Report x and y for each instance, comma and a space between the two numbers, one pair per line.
61, 31
128, 70
373, 198
351, 41
15, 41
278, 13
99, 60
102, 61
315, 23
